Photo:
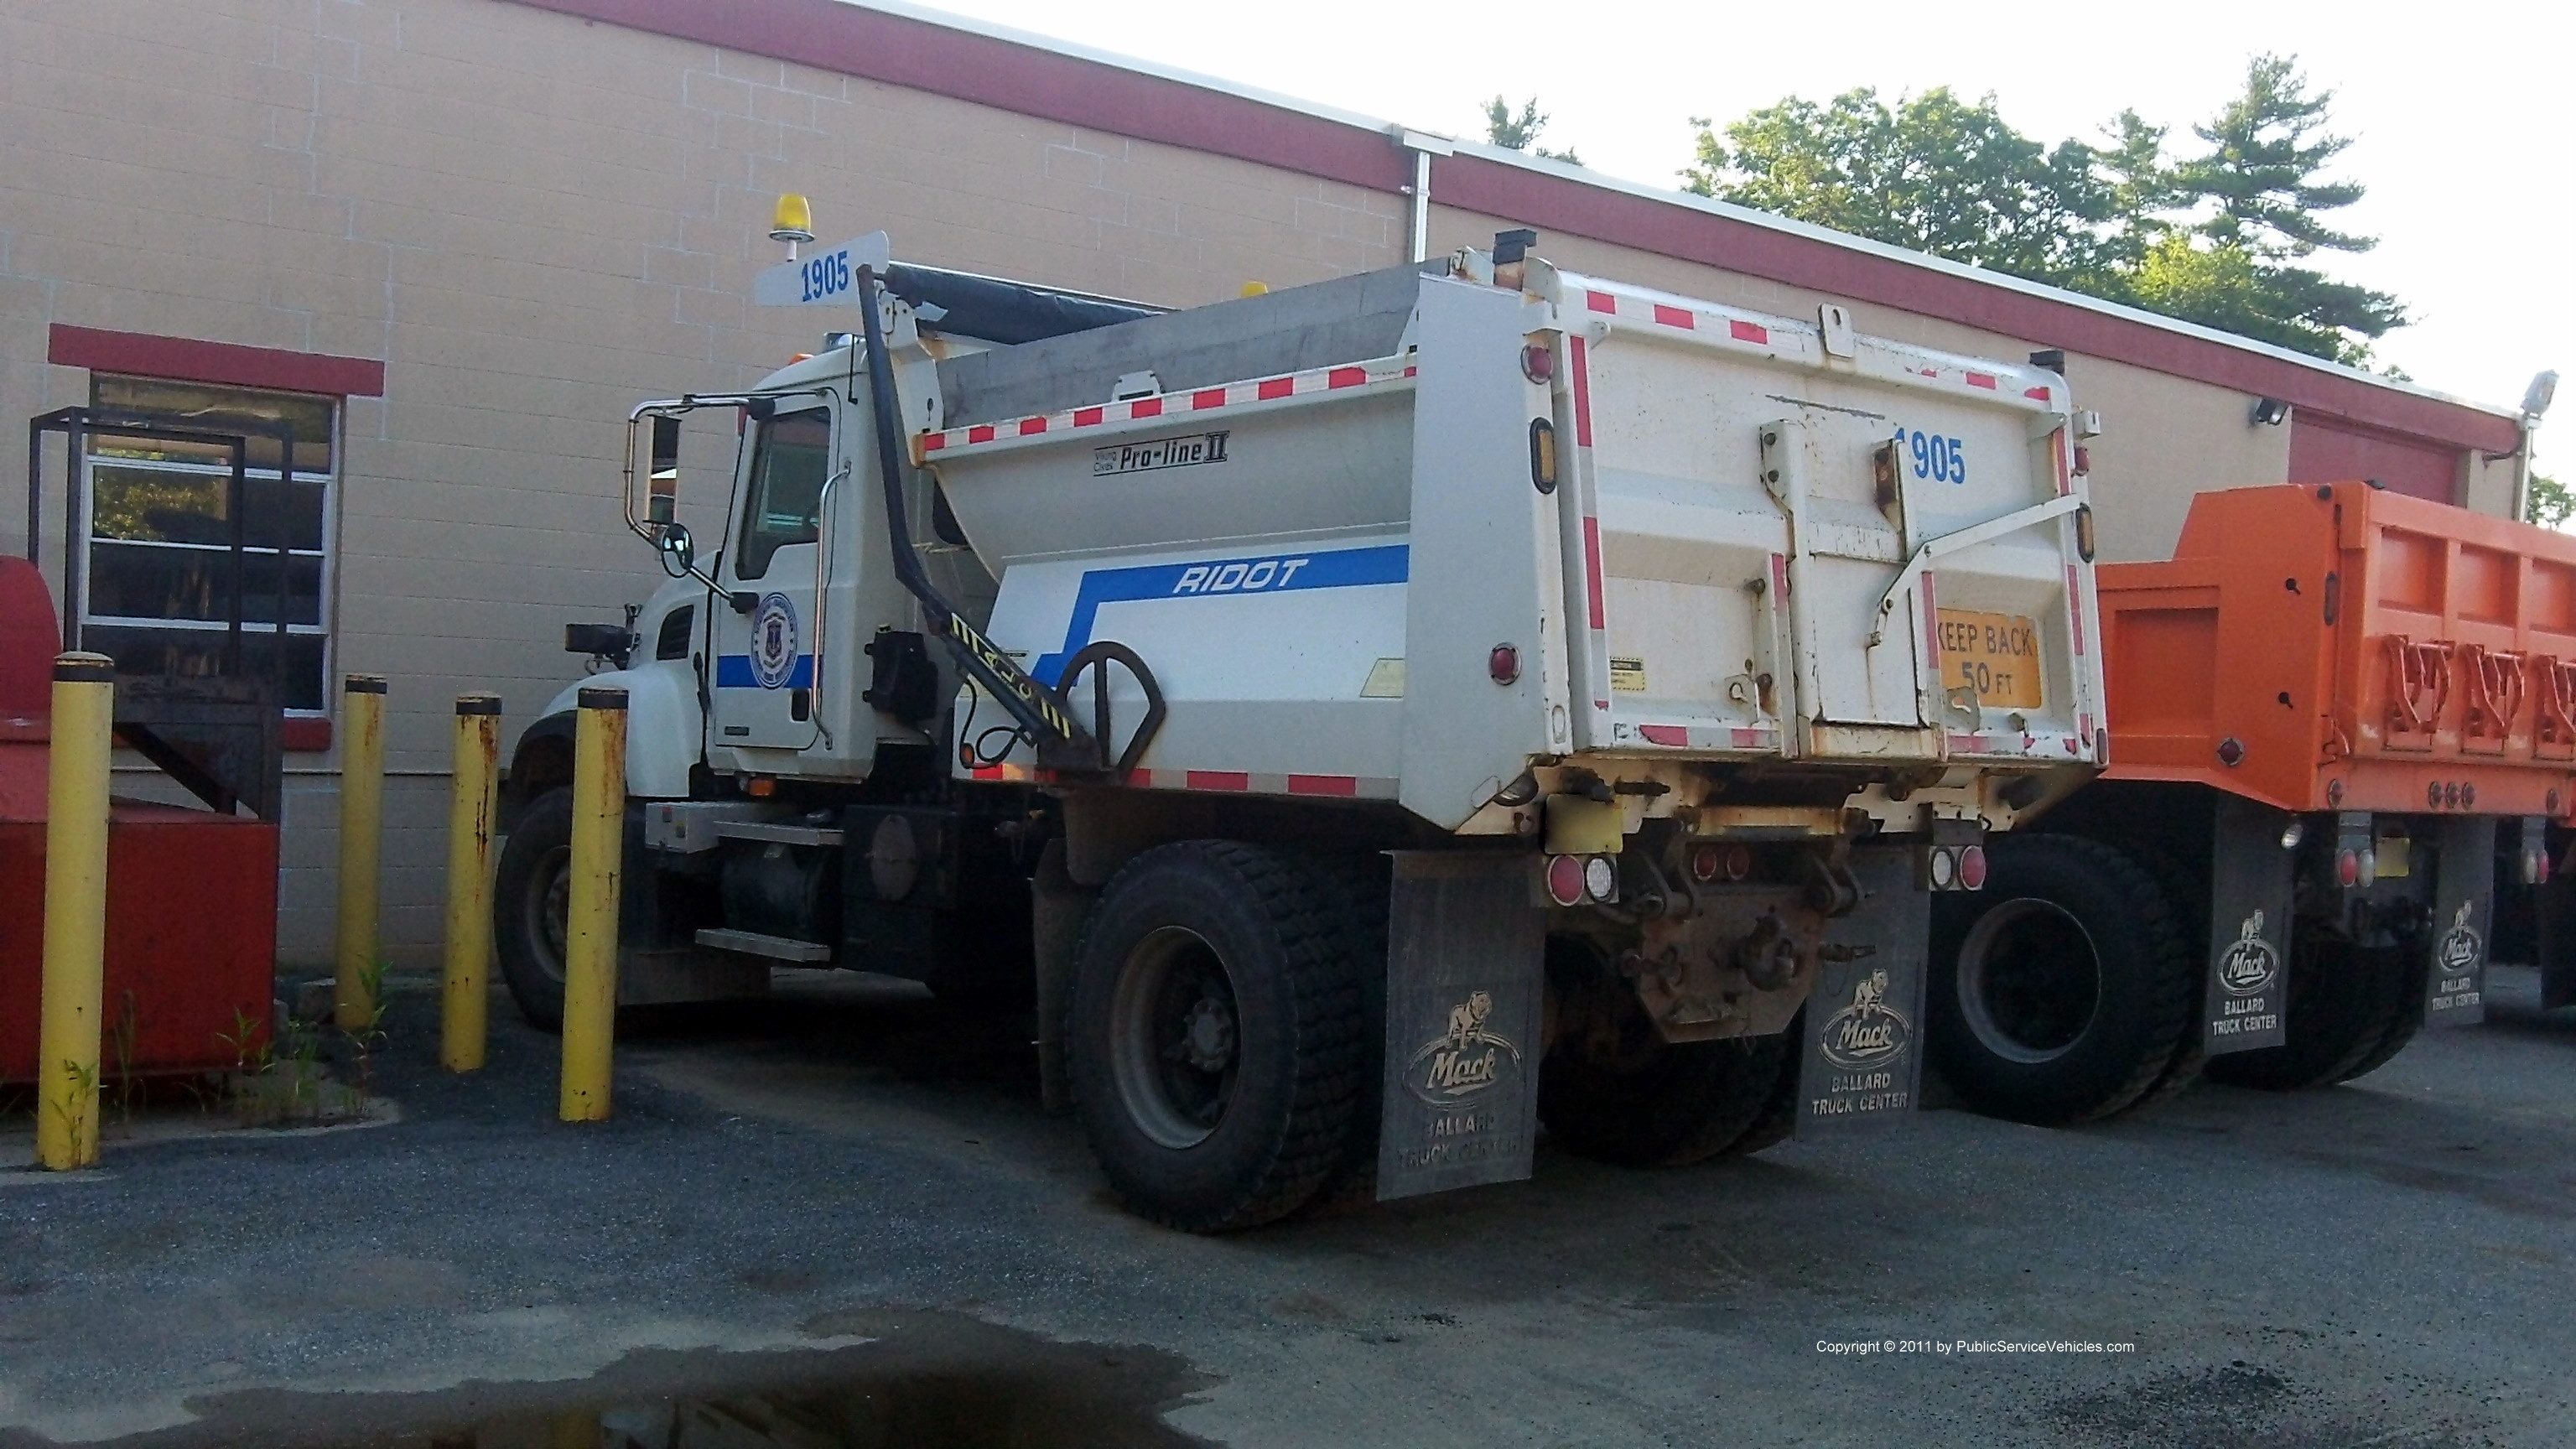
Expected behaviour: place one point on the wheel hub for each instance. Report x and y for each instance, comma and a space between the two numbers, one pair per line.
1207, 1035
2029, 981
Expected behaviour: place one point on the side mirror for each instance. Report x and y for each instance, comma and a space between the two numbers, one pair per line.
677, 549
662, 503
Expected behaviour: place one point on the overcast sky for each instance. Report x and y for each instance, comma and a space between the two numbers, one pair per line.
2462, 114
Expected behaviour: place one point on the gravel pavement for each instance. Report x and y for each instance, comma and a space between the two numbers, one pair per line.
849, 1185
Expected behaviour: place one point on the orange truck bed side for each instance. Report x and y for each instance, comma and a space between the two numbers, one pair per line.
2338, 647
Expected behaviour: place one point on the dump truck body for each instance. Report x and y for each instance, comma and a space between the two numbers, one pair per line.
2341, 740
1320, 559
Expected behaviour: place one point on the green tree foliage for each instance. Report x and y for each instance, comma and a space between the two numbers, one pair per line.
1933, 173
1519, 131
2216, 236
2552, 503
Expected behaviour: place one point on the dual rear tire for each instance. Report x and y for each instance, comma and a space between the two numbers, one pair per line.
2067, 990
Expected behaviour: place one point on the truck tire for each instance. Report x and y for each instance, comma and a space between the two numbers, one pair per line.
1626, 1096
1215, 1037
530, 889
2349, 1011
2064, 991
1357, 891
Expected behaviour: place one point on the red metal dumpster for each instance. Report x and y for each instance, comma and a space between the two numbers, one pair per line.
191, 896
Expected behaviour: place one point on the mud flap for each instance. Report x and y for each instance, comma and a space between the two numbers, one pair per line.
2554, 908
1465, 966
1862, 1061
2244, 1001
2463, 912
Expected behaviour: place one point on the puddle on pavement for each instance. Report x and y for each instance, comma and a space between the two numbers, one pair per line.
924, 1381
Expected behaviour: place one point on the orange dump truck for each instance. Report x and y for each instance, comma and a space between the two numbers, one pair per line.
2343, 722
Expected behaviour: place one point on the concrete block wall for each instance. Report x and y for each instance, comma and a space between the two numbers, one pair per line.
534, 221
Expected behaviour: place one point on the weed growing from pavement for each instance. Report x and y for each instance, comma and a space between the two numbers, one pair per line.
369, 1035
84, 1085
281, 1079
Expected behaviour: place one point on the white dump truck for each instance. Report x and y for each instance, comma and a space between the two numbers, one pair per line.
1357, 723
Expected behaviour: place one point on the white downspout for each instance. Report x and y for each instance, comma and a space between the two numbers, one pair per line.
1424, 146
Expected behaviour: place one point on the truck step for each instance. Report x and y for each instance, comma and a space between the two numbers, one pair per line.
777, 948
784, 834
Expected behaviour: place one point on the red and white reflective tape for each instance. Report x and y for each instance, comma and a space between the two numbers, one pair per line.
1173, 405
1707, 321
1708, 737
1232, 782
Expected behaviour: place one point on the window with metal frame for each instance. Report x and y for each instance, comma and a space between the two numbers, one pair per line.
790, 462
161, 519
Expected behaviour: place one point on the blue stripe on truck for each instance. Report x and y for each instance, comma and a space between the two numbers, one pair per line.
1271, 573
733, 671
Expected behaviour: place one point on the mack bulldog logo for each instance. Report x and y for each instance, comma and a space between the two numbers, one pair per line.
2460, 948
1463, 1061
2250, 963
773, 641
1868, 1032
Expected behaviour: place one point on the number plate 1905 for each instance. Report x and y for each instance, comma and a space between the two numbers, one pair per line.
1997, 655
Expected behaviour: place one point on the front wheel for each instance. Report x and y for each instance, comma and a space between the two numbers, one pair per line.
531, 893
2065, 990
1216, 1037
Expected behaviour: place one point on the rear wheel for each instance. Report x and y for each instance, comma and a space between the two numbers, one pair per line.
531, 889
1614, 1090
2349, 1010
1215, 1039
2064, 991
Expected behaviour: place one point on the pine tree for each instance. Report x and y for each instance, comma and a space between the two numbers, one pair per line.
1520, 132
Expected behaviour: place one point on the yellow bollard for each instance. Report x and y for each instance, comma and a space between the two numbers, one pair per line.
466, 995
362, 821
590, 925
75, 910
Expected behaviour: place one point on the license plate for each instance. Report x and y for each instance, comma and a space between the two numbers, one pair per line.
1997, 655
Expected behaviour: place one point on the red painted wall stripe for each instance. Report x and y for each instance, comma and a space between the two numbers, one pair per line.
1582, 371
1592, 568
1323, 785
1033, 81
187, 359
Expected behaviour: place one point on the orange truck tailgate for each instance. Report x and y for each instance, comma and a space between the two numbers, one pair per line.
2337, 647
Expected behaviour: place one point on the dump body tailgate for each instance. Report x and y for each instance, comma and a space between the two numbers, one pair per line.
2342, 647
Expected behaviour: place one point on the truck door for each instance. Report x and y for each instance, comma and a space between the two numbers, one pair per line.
764, 642
1855, 666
